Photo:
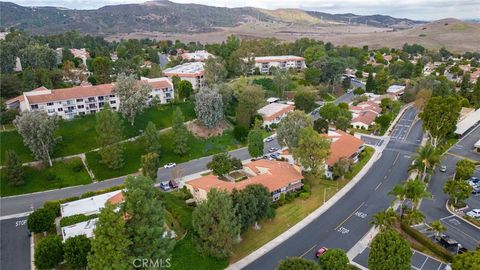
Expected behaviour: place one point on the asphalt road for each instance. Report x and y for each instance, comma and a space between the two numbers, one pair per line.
345, 223
434, 209
24, 203
14, 244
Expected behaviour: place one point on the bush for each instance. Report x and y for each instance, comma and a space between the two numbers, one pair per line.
424, 240
49, 252
6, 117
240, 133
78, 168
67, 221
102, 191
290, 196
306, 188
282, 199
304, 195
76, 250
52, 206
51, 177
40, 220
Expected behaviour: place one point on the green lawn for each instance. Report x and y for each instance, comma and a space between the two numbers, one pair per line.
134, 150
79, 135
40, 179
184, 255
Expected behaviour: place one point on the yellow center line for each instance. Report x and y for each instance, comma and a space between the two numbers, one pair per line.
336, 228
305, 253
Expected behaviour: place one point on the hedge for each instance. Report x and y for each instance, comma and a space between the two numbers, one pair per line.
67, 221
424, 240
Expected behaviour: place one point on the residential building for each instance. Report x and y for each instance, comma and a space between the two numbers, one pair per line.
273, 113
192, 72
279, 177
196, 56
474, 76
81, 53
396, 90
363, 120
467, 123
91, 205
264, 63
365, 106
82, 228
342, 145
83, 99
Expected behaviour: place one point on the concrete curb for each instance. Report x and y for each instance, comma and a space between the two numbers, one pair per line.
460, 217
24, 214
307, 220
32, 251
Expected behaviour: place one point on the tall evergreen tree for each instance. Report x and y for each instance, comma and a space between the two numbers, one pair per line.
370, 85
216, 225
255, 143
76, 251
109, 132
152, 138
181, 133
48, 252
150, 165
145, 224
110, 247
13, 169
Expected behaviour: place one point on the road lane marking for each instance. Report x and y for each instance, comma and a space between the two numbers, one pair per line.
305, 253
345, 220
379, 184
446, 217
454, 227
426, 259
396, 158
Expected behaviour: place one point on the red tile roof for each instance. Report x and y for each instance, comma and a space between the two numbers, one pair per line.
366, 117
343, 145
116, 199
272, 174
366, 106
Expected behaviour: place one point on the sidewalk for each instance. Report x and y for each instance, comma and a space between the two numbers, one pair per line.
312, 216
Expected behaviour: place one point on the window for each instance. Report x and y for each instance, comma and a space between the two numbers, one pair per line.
51, 110
90, 99
79, 99
112, 96
114, 108
113, 102
100, 98
34, 106
50, 104
80, 106
81, 113
60, 109
100, 104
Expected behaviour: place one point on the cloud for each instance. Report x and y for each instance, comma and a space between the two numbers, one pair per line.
414, 9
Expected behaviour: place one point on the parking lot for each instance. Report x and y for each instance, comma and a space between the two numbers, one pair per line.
420, 261
465, 147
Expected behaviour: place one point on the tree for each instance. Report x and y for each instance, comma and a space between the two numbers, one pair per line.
152, 138
346, 82
146, 218
216, 224
133, 96
76, 251
255, 142
312, 150
220, 164
384, 220
209, 107
109, 132
102, 69
240, 132
382, 82
180, 140
48, 252
184, 89
334, 259
439, 117
263, 200
314, 53
281, 81
330, 112
437, 227
40, 220
68, 70
370, 85
312, 75
13, 169
466, 261
111, 243
400, 193
250, 99
389, 251
414, 216
464, 169
38, 133
416, 190
422, 97
305, 100
289, 128
458, 190
342, 123
38, 56
359, 91
296, 263
150, 163
320, 125
252, 204
215, 71
426, 158
342, 167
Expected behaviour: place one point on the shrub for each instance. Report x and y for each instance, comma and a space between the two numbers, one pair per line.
306, 188
282, 199
76, 251
67, 221
52, 206
102, 191
240, 133
290, 196
40, 220
49, 252
78, 167
51, 177
424, 240
304, 195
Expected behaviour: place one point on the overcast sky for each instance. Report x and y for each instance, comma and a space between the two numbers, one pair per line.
413, 9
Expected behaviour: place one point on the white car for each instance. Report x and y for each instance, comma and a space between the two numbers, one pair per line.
268, 139
170, 165
474, 213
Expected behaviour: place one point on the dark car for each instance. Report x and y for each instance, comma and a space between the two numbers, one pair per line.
173, 184
447, 242
275, 155
321, 251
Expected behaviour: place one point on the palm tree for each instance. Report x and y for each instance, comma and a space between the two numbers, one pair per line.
384, 220
437, 227
415, 216
400, 192
427, 157
416, 190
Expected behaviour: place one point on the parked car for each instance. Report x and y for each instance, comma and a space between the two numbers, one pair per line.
269, 139
170, 165
443, 168
474, 213
173, 184
275, 155
165, 186
447, 242
349, 91
476, 190
272, 149
321, 251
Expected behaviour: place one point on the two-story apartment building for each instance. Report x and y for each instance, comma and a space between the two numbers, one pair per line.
264, 63
273, 113
342, 145
192, 72
84, 99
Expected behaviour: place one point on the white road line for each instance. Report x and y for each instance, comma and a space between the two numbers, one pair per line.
379, 184
305, 253
447, 217
426, 259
